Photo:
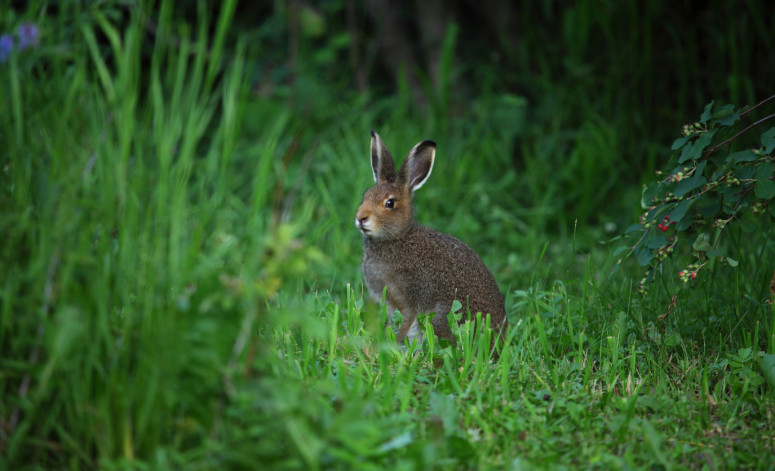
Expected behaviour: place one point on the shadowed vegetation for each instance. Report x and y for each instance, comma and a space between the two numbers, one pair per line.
181, 282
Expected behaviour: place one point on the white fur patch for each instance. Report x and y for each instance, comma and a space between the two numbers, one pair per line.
415, 333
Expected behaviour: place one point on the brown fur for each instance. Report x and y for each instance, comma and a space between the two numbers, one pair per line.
424, 270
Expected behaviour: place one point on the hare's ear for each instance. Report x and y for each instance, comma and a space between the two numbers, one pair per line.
417, 165
381, 161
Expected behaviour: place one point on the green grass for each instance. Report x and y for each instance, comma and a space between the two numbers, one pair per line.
181, 283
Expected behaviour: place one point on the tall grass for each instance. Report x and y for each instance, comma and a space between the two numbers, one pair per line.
120, 209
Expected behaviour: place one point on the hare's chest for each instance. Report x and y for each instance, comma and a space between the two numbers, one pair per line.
380, 276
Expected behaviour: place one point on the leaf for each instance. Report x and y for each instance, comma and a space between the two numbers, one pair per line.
680, 210
648, 194
726, 115
688, 184
732, 262
620, 250
644, 256
742, 156
768, 140
684, 224
678, 143
767, 363
702, 243
694, 150
706, 114
765, 187
633, 228
711, 205
397, 442
746, 173
656, 241
731, 197
715, 253
721, 169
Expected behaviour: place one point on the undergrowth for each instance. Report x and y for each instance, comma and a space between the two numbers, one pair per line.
181, 281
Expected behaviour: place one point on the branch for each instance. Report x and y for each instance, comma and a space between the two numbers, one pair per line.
726, 141
757, 105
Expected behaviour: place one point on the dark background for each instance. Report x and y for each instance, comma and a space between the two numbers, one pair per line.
632, 71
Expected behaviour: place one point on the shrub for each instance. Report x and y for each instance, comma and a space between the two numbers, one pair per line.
716, 178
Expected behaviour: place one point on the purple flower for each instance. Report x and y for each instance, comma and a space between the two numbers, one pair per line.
28, 35
6, 47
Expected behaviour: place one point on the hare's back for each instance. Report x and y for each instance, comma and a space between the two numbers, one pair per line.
454, 271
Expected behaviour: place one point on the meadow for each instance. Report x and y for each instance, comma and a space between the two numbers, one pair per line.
181, 283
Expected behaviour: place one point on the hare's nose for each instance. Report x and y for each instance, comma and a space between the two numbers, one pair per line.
359, 222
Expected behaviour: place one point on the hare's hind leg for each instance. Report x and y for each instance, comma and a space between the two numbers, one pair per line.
441, 323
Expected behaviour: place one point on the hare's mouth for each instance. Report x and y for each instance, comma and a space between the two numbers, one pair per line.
362, 226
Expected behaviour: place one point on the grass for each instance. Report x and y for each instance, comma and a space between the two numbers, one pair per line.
181, 285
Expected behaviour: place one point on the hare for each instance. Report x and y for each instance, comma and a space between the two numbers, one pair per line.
423, 270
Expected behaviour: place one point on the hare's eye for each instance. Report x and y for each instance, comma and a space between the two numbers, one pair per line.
390, 203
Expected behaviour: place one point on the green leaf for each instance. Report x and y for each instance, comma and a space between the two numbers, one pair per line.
702, 243
644, 256
656, 241
711, 205
678, 143
633, 228
731, 196
721, 169
694, 150
680, 210
688, 184
684, 224
746, 173
715, 253
765, 187
732, 262
726, 115
742, 156
706, 114
767, 363
648, 194
399, 441
768, 140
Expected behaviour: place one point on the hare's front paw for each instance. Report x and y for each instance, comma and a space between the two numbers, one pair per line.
415, 333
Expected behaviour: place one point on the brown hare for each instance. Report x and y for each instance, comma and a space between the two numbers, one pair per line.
423, 270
